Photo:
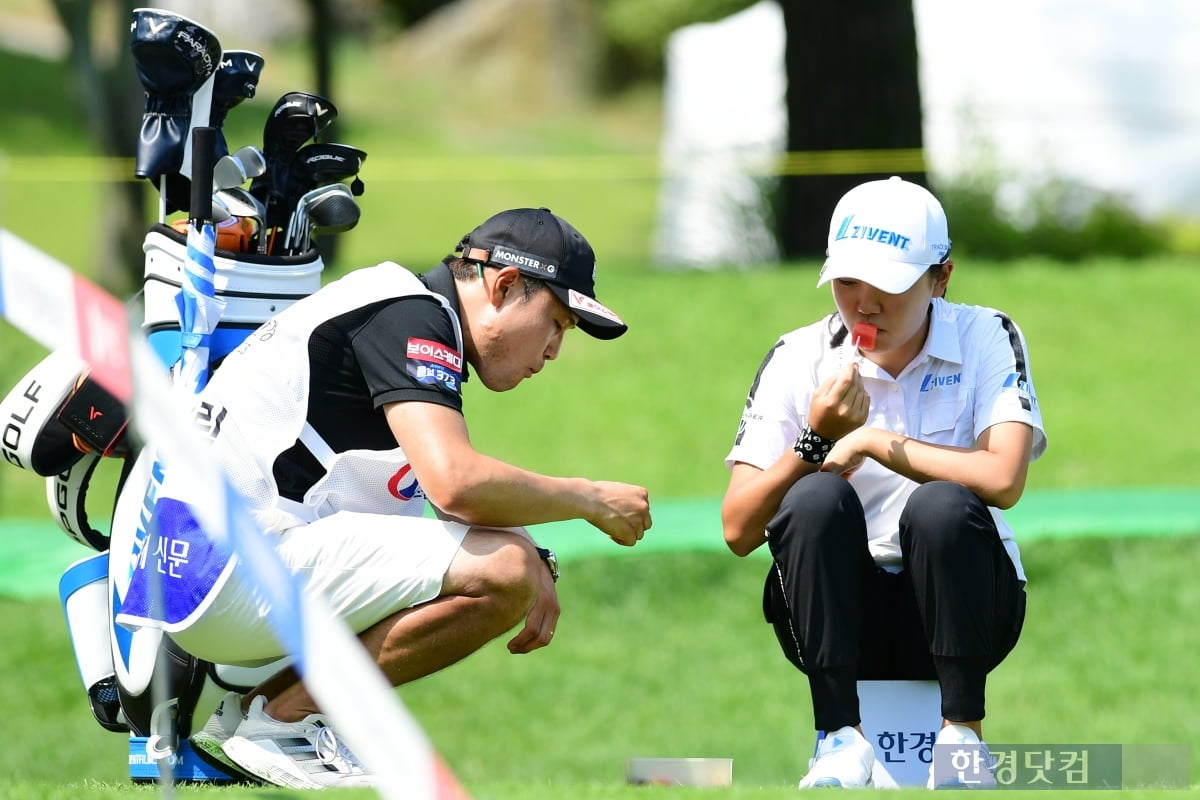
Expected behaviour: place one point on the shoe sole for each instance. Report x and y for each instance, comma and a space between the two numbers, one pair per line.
955, 785
268, 767
208, 749
834, 783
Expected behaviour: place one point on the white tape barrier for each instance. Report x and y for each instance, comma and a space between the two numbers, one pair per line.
60, 309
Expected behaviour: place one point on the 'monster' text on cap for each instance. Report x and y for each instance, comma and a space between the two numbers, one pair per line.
514, 259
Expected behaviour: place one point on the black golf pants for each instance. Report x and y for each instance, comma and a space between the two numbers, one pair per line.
951, 615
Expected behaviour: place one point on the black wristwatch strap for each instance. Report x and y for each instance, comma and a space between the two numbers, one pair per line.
547, 555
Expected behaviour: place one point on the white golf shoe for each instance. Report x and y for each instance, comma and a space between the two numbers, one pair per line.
844, 760
960, 761
222, 724
299, 755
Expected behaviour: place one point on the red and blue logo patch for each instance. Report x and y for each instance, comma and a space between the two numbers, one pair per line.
434, 363
403, 485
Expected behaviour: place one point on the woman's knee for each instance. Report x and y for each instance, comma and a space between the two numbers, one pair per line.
943, 511
818, 505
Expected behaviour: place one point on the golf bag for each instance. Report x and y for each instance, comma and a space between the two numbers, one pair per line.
127, 674
60, 424
252, 288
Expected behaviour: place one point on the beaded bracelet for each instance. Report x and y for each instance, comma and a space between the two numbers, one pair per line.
812, 446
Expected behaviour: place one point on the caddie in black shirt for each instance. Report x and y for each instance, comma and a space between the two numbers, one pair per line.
339, 418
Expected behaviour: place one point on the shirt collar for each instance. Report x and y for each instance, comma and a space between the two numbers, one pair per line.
440, 281
943, 341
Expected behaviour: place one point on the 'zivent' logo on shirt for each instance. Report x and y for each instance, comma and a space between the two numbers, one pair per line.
931, 381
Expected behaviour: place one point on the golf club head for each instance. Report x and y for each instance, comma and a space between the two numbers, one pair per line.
320, 164
236, 168
173, 57
325, 162
333, 211
296, 118
236, 80
331, 208
219, 212
240, 203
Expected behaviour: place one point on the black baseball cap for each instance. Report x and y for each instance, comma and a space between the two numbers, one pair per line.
545, 246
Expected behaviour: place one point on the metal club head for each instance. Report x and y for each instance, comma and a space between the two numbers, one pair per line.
320, 164
331, 209
236, 168
220, 212
334, 211
240, 203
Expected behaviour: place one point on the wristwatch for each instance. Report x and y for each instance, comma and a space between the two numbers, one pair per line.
547, 555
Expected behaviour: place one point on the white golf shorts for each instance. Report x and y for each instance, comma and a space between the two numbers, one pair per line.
366, 566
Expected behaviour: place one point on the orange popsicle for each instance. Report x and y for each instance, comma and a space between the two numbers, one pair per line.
863, 335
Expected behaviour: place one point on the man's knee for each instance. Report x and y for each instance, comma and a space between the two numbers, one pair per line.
504, 568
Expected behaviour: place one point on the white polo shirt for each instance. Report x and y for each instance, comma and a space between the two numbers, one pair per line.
972, 373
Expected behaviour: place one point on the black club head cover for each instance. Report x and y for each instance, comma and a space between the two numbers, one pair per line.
174, 57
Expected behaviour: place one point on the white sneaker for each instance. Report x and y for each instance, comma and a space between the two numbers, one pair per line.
207, 741
844, 760
960, 761
298, 755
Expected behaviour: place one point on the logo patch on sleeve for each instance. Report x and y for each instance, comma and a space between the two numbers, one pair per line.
1015, 384
434, 363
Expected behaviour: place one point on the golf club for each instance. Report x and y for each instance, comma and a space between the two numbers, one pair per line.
296, 118
333, 205
236, 168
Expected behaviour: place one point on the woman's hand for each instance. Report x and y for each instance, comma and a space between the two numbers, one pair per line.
840, 404
848, 454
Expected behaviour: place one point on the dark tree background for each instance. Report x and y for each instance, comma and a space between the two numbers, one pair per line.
852, 85
111, 100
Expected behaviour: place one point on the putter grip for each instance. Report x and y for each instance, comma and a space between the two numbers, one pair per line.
204, 144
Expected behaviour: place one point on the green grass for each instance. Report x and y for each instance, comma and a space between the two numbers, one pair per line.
666, 655
659, 406
658, 655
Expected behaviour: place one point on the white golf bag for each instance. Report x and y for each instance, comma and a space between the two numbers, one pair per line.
137, 681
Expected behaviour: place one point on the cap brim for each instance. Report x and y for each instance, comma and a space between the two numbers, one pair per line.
893, 277
595, 319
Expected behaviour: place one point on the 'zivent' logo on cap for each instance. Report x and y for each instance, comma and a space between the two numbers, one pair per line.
848, 230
